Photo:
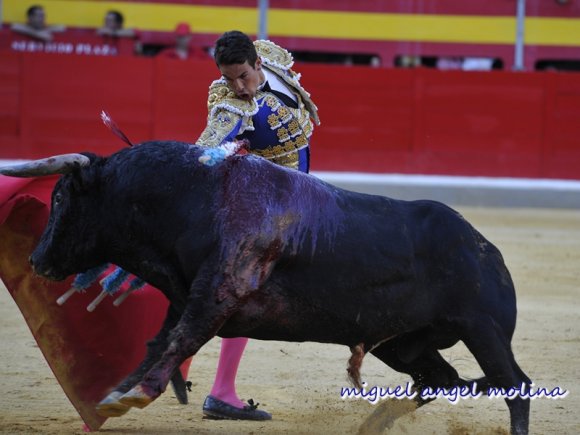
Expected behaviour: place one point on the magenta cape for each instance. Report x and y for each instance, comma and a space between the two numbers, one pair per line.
89, 353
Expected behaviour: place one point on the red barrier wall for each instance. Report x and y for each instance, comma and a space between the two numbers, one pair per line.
374, 120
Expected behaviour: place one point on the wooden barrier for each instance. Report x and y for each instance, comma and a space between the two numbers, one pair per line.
373, 120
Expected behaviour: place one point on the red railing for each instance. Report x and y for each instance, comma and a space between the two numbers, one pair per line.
375, 120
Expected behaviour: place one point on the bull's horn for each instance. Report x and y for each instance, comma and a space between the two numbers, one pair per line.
61, 164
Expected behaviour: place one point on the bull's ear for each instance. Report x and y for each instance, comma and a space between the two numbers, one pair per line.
83, 177
92, 157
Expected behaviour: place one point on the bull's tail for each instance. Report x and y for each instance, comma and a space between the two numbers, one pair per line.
499, 291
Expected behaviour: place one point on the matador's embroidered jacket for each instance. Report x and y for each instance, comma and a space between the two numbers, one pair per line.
276, 131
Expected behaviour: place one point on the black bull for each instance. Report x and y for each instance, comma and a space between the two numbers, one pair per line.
248, 248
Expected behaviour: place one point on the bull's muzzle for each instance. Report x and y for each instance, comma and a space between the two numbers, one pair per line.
44, 271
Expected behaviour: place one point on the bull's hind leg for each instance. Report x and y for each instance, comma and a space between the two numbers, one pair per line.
428, 368
493, 352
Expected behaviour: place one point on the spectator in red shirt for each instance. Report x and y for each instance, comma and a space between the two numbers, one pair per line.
183, 48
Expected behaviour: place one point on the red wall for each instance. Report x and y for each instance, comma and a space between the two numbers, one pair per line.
373, 120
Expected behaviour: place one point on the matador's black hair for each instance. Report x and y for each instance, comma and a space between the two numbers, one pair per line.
235, 47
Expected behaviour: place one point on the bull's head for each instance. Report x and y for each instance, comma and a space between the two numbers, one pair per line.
66, 237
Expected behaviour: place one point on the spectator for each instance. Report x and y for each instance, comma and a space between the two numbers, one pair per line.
113, 26
35, 25
407, 61
477, 64
465, 63
375, 62
446, 63
183, 48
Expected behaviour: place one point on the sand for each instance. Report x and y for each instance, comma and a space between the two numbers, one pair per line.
299, 383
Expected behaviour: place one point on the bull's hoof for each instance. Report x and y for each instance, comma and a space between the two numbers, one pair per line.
136, 398
110, 406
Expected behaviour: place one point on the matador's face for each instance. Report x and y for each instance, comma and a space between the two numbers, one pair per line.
243, 78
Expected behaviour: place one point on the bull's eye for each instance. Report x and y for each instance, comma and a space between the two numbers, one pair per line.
57, 198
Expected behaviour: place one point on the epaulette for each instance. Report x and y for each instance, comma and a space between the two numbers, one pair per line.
273, 54
280, 61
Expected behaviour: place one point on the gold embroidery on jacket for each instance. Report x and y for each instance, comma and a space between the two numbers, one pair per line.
293, 127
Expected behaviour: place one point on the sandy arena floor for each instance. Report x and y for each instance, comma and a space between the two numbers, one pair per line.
300, 383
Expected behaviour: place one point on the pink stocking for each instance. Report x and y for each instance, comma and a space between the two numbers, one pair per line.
224, 386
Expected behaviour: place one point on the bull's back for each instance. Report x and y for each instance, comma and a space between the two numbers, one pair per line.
410, 259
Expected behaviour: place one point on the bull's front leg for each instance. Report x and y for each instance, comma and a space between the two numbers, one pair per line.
203, 317
216, 294
111, 406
